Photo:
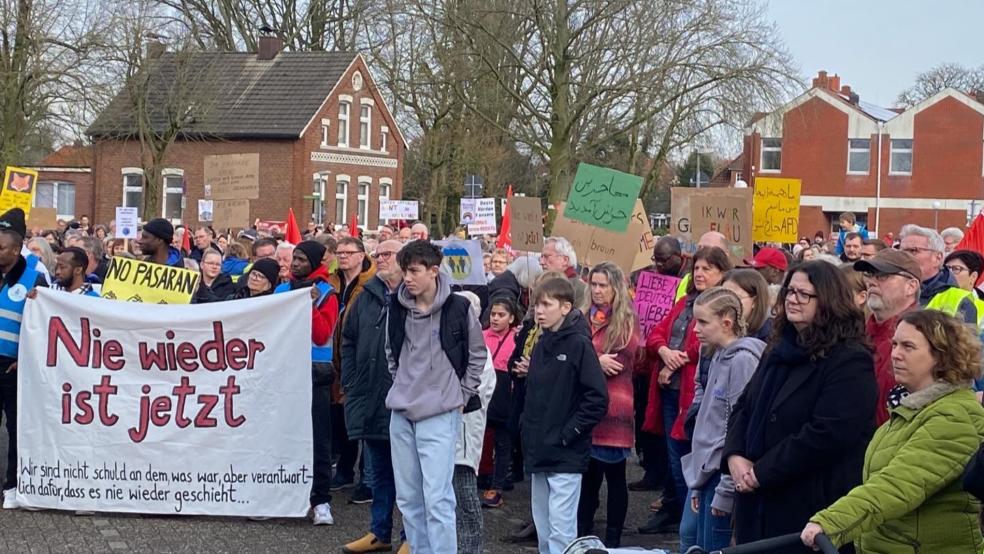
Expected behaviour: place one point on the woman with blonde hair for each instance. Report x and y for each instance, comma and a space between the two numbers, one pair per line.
911, 498
616, 335
42, 249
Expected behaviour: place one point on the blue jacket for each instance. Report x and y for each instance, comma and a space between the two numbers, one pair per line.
840, 238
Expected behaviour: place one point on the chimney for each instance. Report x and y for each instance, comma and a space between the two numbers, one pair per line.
835, 84
846, 90
827, 82
155, 49
269, 47
820, 81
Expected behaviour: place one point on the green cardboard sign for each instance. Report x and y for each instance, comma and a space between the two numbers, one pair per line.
603, 197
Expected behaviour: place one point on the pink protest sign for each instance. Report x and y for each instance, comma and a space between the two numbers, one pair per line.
654, 298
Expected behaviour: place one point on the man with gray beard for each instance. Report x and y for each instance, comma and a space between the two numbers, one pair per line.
893, 281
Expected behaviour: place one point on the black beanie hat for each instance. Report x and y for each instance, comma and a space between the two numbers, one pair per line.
160, 228
269, 268
13, 220
314, 251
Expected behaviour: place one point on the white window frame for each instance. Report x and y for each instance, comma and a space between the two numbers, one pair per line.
325, 128
341, 181
854, 150
892, 150
385, 189
764, 149
126, 172
54, 194
384, 147
365, 126
362, 200
171, 172
343, 123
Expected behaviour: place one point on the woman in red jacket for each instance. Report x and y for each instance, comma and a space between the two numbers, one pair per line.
616, 335
674, 346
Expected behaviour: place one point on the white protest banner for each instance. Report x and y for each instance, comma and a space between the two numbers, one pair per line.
398, 209
126, 222
205, 210
463, 261
166, 409
478, 214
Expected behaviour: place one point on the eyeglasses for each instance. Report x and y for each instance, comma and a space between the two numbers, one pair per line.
663, 260
915, 250
382, 255
956, 269
882, 277
801, 296
256, 275
347, 253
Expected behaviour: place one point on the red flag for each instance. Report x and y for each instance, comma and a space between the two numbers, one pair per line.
354, 226
186, 241
505, 236
293, 233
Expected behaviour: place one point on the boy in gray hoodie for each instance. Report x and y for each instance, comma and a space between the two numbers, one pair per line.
436, 354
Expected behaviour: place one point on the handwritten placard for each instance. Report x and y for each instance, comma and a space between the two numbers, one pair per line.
478, 214
231, 214
727, 211
526, 223
630, 250
398, 209
603, 197
233, 176
776, 207
680, 221
654, 298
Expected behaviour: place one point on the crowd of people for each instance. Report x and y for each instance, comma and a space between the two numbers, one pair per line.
829, 387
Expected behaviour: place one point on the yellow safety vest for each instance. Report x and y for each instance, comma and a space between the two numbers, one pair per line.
682, 287
949, 301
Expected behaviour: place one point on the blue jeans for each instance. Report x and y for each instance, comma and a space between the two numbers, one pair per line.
379, 472
553, 499
423, 466
702, 528
676, 449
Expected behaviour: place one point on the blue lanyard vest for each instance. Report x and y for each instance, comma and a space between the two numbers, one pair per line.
325, 352
12, 308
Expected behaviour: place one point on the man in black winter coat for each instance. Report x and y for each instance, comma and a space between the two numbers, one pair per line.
365, 381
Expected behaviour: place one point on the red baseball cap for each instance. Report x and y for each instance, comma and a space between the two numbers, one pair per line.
768, 257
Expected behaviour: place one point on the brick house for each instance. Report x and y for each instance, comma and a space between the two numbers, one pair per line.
921, 165
328, 144
65, 182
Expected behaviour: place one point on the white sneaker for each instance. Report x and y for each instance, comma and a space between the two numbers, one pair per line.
322, 515
9, 502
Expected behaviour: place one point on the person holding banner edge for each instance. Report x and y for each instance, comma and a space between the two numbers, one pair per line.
307, 271
20, 275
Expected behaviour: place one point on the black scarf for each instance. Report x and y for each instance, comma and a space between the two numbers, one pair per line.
786, 355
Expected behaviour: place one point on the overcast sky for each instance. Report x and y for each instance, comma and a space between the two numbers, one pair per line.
878, 46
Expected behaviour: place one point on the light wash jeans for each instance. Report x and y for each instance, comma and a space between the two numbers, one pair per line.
423, 468
702, 528
554, 498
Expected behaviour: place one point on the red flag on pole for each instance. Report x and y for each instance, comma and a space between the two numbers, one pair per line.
974, 239
292, 233
354, 226
186, 241
505, 237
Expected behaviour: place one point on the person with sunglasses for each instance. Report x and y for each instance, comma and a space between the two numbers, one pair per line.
797, 436
940, 290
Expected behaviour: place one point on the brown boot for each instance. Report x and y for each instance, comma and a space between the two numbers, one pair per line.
368, 543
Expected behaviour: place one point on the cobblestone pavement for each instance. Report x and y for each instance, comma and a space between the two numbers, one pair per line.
55, 531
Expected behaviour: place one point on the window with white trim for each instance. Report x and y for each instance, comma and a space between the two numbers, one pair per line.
385, 186
343, 123
858, 156
771, 154
133, 189
900, 161
385, 137
59, 195
173, 205
341, 201
365, 126
325, 124
363, 199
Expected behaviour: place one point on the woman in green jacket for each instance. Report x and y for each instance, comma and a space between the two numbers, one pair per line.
911, 500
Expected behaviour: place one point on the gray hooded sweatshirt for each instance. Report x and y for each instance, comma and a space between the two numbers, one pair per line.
729, 372
426, 384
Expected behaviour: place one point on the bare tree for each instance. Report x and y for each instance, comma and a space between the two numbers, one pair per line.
943, 76
47, 53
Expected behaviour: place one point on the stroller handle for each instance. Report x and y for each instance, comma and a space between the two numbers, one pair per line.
782, 541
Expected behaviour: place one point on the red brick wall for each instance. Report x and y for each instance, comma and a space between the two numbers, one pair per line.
947, 151
286, 168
